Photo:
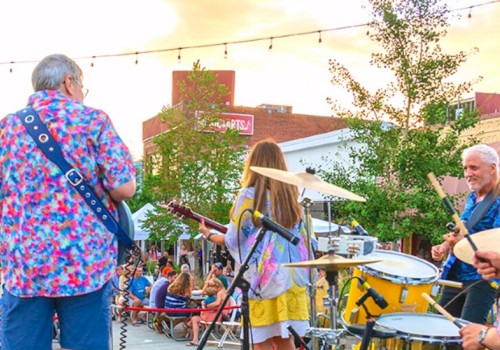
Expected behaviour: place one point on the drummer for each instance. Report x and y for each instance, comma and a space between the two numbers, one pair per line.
480, 164
476, 336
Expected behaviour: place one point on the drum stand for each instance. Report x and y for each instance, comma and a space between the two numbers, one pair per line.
330, 336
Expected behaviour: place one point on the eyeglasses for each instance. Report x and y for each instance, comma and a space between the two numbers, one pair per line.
85, 91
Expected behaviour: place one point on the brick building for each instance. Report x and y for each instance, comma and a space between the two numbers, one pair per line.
264, 121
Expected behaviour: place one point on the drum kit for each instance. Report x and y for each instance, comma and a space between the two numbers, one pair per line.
389, 293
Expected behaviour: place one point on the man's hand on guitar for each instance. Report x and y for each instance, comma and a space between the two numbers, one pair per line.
439, 251
452, 238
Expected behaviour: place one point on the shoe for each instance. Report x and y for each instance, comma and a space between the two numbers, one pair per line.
191, 344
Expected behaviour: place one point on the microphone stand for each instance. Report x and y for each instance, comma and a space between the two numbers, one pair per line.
244, 285
370, 323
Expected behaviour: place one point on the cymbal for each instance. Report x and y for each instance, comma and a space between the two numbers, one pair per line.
484, 240
307, 180
332, 262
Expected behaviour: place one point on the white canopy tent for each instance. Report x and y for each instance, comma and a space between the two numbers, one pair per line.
138, 217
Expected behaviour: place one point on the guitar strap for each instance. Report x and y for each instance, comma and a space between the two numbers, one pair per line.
45, 141
480, 211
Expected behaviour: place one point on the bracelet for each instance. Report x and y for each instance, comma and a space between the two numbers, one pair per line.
210, 236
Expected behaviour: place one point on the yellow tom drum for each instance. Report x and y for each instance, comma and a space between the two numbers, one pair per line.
399, 278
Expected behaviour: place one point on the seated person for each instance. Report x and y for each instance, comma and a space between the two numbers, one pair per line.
217, 272
207, 316
161, 292
211, 296
137, 292
178, 295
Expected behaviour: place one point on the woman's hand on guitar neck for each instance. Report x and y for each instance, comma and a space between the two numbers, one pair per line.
204, 230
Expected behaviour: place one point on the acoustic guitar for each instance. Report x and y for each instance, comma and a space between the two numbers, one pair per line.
183, 211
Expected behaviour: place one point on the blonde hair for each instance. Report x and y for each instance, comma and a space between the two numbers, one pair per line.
285, 207
181, 285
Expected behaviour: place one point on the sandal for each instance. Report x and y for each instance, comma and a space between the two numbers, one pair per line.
191, 344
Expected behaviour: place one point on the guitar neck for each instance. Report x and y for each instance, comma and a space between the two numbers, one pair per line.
209, 223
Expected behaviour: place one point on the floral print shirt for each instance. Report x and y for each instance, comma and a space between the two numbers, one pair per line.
267, 277
51, 243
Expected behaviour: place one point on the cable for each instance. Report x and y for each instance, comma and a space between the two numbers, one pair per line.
225, 43
134, 252
461, 292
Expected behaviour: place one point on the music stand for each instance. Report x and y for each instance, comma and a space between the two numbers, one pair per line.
244, 285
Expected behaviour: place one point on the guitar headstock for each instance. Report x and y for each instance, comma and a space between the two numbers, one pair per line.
178, 209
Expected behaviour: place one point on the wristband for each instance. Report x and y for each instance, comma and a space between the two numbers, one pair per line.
210, 236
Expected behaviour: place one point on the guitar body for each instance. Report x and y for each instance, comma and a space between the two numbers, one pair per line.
125, 221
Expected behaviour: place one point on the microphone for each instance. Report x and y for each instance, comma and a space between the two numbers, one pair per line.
273, 226
379, 299
358, 228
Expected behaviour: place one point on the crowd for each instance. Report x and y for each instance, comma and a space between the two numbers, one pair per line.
171, 287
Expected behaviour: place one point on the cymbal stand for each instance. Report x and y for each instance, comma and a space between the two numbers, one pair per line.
332, 336
306, 204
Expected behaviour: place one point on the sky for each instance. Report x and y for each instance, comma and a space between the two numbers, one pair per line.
294, 72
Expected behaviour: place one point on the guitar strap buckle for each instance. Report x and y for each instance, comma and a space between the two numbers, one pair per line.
74, 177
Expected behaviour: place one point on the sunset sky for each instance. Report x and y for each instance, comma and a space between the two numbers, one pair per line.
294, 72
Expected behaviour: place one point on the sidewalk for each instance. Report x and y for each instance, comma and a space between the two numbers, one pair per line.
144, 338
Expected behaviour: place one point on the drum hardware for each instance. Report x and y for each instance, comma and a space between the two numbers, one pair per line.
404, 294
332, 264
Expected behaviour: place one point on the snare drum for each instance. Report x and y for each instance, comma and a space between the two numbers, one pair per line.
399, 278
419, 331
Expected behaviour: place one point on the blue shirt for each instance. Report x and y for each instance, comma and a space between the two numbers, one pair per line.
138, 287
464, 271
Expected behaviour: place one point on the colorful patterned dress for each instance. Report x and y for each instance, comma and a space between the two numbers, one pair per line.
278, 296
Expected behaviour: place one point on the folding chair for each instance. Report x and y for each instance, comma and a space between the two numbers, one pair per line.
231, 328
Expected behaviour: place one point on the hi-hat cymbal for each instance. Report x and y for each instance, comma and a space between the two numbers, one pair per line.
484, 240
307, 180
332, 262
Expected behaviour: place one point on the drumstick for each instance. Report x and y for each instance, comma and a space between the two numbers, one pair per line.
452, 210
459, 222
442, 311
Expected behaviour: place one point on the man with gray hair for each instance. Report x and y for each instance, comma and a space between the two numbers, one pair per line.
473, 301
57, 255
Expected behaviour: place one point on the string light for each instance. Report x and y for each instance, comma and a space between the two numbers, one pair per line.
239, 41
136, 57
225, 50
11, 63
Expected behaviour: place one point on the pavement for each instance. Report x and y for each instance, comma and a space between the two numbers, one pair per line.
145, 338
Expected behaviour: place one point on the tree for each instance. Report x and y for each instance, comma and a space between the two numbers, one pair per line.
196, 162
403, 141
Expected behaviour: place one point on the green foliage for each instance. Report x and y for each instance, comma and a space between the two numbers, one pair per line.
195, 162
404, 140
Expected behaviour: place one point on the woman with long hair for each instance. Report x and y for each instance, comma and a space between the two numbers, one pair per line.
278, 296
179, 294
